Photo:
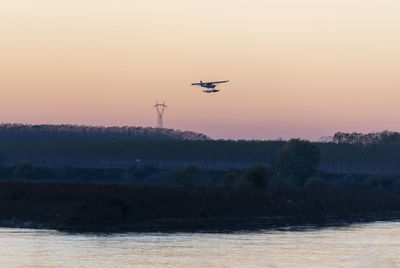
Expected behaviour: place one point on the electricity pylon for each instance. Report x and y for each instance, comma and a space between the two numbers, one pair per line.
160, 108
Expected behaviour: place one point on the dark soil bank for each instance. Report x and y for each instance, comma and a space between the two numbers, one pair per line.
116, 208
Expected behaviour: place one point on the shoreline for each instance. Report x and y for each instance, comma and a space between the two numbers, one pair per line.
215, 225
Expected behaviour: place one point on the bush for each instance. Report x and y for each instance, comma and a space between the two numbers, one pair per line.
187, 176
229, 179
24, 170
315, 183
379, 182
144, 171
289, 182
257, 176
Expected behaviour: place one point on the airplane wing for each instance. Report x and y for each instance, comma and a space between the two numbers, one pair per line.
195, 84
216, 82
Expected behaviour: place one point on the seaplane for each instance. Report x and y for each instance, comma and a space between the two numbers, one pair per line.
209, 85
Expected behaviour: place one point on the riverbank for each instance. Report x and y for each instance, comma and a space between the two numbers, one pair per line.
117, 208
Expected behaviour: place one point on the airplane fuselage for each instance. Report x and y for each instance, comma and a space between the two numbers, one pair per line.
207, 85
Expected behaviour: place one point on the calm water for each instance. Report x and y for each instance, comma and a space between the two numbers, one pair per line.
366, 245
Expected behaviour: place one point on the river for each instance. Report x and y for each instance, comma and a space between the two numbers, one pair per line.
361, 245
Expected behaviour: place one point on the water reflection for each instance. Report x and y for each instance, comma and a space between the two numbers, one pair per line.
367, 245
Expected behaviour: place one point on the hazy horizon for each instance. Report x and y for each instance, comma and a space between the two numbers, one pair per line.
304, 70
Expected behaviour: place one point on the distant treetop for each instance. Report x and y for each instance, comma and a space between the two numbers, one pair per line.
25, 132
374, 138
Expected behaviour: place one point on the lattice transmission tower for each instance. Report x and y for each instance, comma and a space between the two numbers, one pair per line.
160, 108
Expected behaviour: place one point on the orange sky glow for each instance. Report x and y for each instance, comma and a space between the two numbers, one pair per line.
303, 69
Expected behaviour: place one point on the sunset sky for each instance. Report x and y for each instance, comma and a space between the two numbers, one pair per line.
297, 68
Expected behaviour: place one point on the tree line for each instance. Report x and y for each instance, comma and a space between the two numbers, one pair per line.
373, 153
24, 132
